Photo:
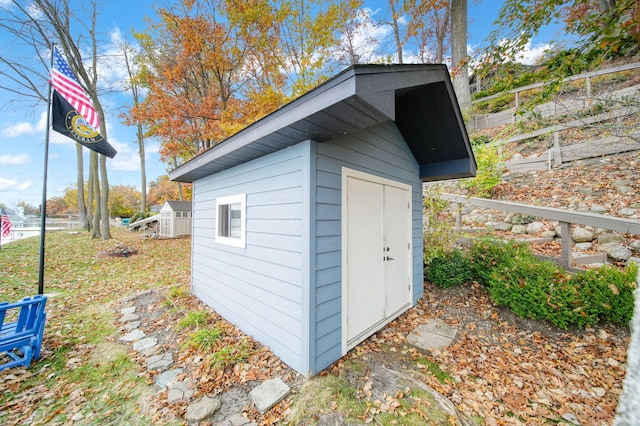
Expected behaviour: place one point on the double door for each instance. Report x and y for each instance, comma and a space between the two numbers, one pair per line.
377, 284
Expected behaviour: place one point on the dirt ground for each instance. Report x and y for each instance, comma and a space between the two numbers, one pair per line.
504, 369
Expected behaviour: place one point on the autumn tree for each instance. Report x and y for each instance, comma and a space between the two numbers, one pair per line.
206, 74
162, 189
124, 200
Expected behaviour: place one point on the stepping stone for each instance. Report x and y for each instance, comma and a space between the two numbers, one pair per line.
160, 362
202, 409
130, 326
237, 420
144, 344
269, 393
180, 391
434, 334
129, 317
167, 377
133, 335
129, 310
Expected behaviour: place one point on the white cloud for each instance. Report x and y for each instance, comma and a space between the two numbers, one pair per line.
26, 128
19, 159
531, 54
11, 185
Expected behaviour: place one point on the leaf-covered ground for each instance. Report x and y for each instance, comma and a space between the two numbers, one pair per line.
502, 370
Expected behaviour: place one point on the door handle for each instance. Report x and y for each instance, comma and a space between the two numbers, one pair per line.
387, 258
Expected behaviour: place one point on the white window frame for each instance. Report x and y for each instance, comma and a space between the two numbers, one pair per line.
226, 201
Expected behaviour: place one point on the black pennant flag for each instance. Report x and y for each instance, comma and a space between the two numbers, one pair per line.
68, 122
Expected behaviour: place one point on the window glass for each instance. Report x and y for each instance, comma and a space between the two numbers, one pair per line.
231, 220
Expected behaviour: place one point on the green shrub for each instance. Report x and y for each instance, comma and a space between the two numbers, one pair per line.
489, 173
450, 269
480, 140
608, 293
487, 254
540, 290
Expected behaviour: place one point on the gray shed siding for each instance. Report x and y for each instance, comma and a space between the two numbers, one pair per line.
380, 151
262, 288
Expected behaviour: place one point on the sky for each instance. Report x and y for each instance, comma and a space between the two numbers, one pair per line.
22, 125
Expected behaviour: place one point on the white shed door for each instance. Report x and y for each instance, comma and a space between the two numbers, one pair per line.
377, 265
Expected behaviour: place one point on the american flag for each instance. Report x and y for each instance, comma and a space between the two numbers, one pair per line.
5, 224
65, 83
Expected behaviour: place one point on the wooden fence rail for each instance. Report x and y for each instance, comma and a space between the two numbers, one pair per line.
565, 217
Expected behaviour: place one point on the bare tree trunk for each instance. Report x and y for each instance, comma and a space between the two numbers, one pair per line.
93, 171
396, 29
459, 57
82, 208
143, 172
104, 199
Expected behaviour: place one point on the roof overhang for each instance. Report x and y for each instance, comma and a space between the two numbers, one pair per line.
418, 98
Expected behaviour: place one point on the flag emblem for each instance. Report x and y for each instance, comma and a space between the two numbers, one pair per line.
72, 113
66, 84
68, 122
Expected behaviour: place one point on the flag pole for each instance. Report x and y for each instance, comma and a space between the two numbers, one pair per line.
43, 207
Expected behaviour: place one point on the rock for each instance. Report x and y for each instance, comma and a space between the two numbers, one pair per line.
127, 310
534, 228
129, 317
160, 362
167, 377
269, 393
144, 344
179, 392
558, 230
518, 229
624, 189
236, 420
130, 326
611, 238
503, 226
202, 409
616, 252
635, 246
626, 212
132, 336
548, 234
583, 246
582, 235
597, 208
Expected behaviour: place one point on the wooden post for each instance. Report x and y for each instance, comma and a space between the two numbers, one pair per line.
557, 154
565, 241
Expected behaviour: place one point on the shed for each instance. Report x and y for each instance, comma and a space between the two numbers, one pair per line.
308, 223
175, 219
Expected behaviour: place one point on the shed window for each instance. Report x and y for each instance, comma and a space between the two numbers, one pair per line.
231, 220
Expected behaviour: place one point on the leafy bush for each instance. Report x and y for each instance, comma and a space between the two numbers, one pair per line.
480, 140
540, 290
450, 269
489, 173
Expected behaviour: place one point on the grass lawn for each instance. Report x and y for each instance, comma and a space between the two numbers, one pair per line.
83, 375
